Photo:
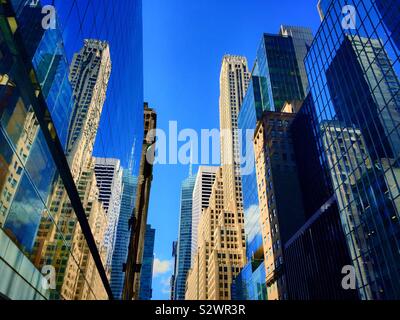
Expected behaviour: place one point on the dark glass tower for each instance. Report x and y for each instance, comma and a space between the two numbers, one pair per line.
354, 82
129, 184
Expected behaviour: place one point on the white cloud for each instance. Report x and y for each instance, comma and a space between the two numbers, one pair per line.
161, 266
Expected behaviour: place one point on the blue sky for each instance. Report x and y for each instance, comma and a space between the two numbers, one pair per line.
184, 42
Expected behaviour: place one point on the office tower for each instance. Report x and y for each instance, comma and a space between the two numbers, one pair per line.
120, 253
279, 195
234, 79
139, 218
201, 192
279, 62
173, 276
89, 75
302, 39
357, 126
146, 276
221, 249
390, 11
109, 181
250, 284
183, 249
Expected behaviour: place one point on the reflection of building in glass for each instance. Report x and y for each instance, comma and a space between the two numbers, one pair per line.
120, 253
184, 244
146, 276
278, 69
138, 221
355, 90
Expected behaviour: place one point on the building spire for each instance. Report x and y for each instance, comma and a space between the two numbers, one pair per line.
132, 158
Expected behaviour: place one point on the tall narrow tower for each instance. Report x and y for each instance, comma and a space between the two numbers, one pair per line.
234, 80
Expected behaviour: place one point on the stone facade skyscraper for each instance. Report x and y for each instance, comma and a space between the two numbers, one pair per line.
234, 80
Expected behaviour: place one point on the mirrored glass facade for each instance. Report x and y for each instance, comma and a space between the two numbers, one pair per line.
354, 83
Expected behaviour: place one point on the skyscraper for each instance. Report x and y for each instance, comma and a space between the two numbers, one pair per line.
183, 246
120, 253
278, 80
146, 276
109, 181
234, 80
201, 192
173, 276
138, 220
357, 126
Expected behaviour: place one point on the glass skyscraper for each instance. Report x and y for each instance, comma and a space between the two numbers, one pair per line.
37, 108
183, 259
354, 84
146, 276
